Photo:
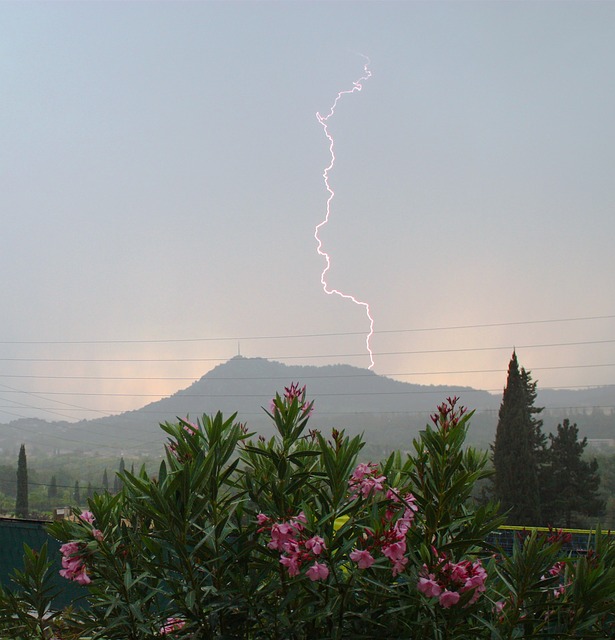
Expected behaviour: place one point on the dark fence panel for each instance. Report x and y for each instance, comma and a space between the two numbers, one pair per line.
13, 534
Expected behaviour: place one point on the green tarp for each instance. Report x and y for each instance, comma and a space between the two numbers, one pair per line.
13, 534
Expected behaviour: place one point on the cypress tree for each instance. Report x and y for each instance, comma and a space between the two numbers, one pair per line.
516, 483
90, 493
52, 489
539, 438
77, 494
21, 503
105, 481
122, 465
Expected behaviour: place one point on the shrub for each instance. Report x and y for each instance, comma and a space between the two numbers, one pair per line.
293, 538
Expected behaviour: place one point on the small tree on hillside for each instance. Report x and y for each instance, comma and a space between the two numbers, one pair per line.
571, 484
21, 503
515, 458
105, 481
121, 471
77, 493
52, 489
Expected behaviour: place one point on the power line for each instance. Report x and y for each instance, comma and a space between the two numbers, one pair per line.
312, 356
314, 335
59, 486
367, 374
451, 388
12, 390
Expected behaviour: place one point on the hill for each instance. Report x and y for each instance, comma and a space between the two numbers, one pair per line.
388, 411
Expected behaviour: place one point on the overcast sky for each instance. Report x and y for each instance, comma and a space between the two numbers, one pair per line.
162, 175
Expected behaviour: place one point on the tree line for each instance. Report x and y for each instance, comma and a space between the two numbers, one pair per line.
58, 494
540, 480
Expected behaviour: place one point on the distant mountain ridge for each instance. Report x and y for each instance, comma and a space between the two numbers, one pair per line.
389, 412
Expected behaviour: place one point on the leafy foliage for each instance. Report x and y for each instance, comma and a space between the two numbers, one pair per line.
293, 538
25, 610
571, 484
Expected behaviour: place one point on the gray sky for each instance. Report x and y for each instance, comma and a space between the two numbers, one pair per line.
161, 178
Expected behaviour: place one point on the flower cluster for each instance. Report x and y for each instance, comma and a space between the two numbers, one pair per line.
558, 569
365, 480
290, 394
391, 541
559, 536
450, 580
448, 415
73, 553
73, 565
296, 549
171, 625
88, 516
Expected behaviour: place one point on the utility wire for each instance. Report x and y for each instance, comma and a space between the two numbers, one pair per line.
311, 356
182, 394
314, 335
367, 374
303, 377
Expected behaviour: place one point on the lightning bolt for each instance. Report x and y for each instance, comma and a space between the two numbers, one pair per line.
324, 121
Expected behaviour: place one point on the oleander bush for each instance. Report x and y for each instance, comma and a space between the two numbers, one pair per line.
293, 538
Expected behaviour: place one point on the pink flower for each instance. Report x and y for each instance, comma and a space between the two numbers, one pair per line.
394, 551
81, 577
298, 521
448, 599
362, 470
190, 428
365, 481
87, 516
281, 533
74, 569
372, 485
97, 534
262, 519
475, 579
429, 586
292, 563
459, 572
557, 568
399, 566
172, 624
70, 548
290, 394
317, 571
559, 591
315, 545
363, 558
73, 566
